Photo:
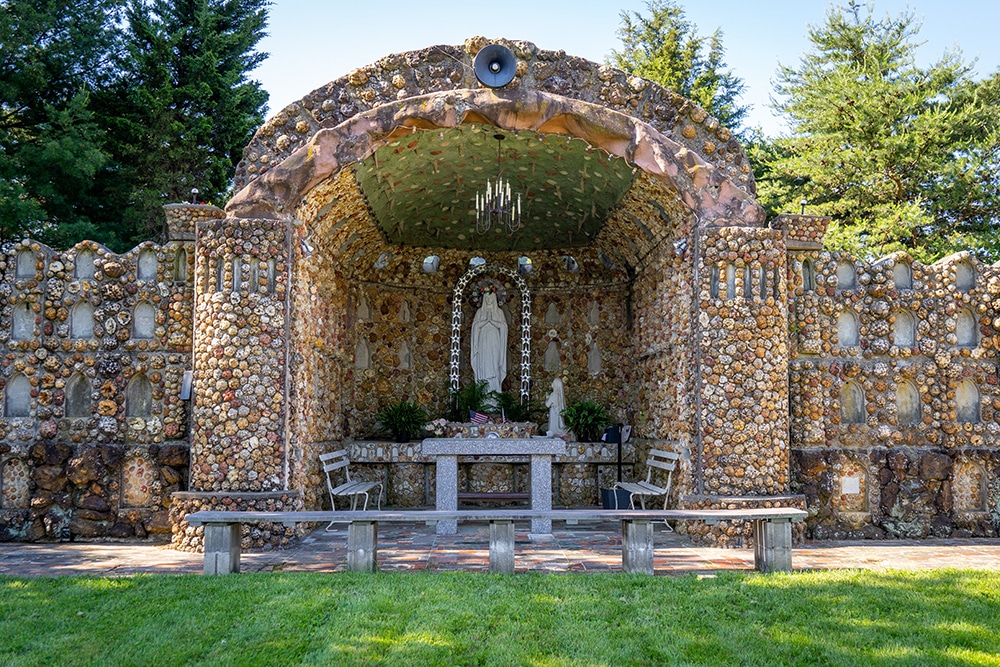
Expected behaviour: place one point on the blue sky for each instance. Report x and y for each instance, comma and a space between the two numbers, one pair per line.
312, 42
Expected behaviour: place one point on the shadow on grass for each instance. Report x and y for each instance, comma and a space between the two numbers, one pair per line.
816, 618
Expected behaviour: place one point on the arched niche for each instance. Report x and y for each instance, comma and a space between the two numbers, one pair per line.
965, 277
966, 329
904, 329
139, 397
81, 320
808, 276
84, 265
147, 266
847, 329
78, 397
17, 399
15, 491
458, 296
144, 320
25, 269
902, 275
846, 276
967, 408
181, 265
852, 404
908, 404
22, 321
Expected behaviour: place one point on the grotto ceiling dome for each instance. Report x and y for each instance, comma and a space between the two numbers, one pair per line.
394, 153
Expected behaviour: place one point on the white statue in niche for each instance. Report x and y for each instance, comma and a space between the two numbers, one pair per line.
489, 343
404, 313
594, 360
553, 363
556, 403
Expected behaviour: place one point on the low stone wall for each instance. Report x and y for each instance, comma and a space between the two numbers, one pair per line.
263, 536
55, 491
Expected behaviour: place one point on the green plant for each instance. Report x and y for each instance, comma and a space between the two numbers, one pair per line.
403, 419
515, 411
474, 397
586, 419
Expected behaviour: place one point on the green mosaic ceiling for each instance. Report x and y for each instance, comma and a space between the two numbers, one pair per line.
422, 188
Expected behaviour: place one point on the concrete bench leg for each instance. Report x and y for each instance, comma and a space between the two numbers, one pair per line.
362, 546
222, 548
637, 546
772, 550
502, 547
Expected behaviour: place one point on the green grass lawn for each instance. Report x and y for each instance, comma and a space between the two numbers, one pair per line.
816, 618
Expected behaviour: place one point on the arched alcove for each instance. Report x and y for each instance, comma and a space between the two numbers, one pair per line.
22, 321
966, 329
846, 276
904, 329
908, 404
965, 277
902, 276
144, 320
847, 328
181, 265
78, 397
852, 404
147, 266
139, 397
81, 320
967, 407
18, 397
84, 269
808, 276
25, 268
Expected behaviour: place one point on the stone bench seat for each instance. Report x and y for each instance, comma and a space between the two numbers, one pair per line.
772, 532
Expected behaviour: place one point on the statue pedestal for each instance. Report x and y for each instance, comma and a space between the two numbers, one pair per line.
447, 450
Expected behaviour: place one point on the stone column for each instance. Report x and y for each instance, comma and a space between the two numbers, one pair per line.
238, 454
740, 458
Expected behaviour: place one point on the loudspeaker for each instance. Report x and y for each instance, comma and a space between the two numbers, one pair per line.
495, 66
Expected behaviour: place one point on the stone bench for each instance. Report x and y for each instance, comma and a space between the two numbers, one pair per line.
772, 532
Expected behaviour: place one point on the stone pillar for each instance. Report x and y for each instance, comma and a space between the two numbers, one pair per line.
238, 444
740, 458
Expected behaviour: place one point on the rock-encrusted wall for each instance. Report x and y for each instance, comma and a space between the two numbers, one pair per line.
240, 348
440, 68
741, 329
895, 406
93, 437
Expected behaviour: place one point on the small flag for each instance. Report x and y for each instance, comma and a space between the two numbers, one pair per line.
478, 417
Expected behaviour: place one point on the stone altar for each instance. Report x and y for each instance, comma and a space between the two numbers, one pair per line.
447, 450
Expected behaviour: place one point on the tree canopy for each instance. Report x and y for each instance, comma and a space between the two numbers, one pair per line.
666, 48
902, 157
111, 108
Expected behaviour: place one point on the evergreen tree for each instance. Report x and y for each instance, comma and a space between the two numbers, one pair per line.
901, 157
666, 48
52, 55
184, 108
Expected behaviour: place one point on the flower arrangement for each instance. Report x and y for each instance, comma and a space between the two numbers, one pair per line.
436, 426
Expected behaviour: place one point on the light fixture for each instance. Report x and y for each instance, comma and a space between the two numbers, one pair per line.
496, 205
803, 203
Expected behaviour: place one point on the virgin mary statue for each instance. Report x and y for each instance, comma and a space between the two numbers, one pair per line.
489, 343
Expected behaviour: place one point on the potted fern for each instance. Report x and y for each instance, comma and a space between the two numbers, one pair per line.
403, 420
586, 419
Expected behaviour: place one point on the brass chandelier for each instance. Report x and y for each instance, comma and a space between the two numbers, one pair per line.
496, 206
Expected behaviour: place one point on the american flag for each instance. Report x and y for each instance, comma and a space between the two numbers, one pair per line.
478, 417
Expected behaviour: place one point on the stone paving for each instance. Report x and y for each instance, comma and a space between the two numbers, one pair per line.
581, 548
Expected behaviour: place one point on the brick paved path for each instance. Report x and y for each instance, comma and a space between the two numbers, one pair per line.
584, 548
